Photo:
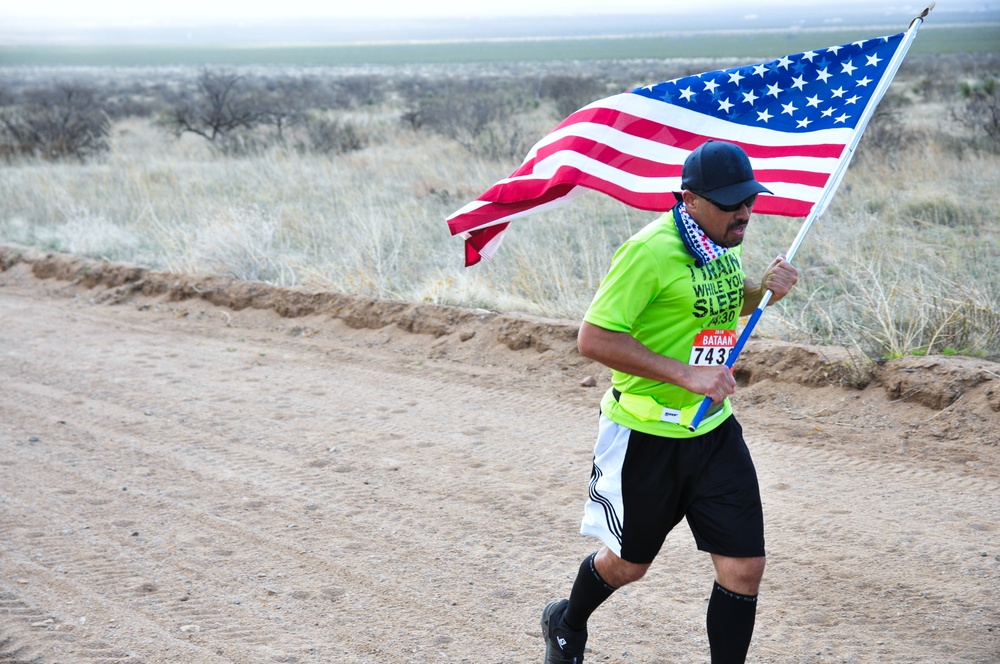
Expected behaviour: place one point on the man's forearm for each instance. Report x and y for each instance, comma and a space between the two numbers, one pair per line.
752, 295
623, 352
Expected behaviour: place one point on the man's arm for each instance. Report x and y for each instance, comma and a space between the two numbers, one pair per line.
779, 277
623, 352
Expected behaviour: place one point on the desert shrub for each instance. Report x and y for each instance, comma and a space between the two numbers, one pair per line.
478, 114
357, 90
280, 103
569, 93
978, 108
239, 113
127, 105
133, 98
941, 208
897, 310
325, 135
932, 77
219, 108
242, 243
887, 134
65, 121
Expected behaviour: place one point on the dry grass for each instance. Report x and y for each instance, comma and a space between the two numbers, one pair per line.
906, 259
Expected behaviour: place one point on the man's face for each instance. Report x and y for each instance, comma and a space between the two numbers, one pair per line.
726, 229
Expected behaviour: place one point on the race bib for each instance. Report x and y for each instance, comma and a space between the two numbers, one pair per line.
712, 347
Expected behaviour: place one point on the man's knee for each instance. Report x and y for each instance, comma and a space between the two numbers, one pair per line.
617, 572
739, 575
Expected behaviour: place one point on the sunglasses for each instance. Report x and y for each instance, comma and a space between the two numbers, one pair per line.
733, 208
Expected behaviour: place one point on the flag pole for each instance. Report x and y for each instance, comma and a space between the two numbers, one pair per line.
827, 194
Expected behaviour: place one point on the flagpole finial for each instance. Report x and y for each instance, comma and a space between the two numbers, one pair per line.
923, 14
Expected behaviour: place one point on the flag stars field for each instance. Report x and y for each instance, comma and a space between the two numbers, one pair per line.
785, 76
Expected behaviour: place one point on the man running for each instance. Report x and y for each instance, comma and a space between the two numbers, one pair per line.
664, 321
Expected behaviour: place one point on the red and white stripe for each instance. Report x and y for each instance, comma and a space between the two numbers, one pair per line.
633, 148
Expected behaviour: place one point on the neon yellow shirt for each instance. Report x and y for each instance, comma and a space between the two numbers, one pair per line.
654, 292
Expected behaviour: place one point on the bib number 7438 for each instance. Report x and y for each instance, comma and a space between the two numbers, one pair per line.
712, 347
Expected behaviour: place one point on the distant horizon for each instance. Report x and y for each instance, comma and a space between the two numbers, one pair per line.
330, 30
193, 13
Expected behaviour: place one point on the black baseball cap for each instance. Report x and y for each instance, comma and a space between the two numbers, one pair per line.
720, 171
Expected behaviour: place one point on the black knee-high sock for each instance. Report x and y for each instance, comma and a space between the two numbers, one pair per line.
589, 592
730, 625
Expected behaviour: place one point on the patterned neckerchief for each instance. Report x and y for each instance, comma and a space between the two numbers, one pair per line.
696, 242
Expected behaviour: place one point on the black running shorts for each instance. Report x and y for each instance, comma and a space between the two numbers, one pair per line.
643, 485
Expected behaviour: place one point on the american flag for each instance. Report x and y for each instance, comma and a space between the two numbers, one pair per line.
794, 116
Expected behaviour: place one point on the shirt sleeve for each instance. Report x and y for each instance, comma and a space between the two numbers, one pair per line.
631, 284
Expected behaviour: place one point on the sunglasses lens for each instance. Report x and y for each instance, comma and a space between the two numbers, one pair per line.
733, 208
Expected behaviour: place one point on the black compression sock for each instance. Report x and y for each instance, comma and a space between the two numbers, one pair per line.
589, 592
731, 618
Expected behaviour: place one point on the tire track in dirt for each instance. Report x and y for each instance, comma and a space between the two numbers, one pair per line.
867, 517
110, 559
13, 648
280, 477
177, 546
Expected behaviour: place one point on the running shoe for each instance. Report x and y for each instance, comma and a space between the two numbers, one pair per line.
562, 645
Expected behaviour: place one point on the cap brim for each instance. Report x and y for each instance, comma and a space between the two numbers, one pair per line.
736, 193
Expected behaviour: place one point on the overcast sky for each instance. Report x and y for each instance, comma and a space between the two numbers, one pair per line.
193, 12
287, 22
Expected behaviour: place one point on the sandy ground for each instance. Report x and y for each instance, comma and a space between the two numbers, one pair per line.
197, 470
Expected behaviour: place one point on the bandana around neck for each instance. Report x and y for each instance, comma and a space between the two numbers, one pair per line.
696, 242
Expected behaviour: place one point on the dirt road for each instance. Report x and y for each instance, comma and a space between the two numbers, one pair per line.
182, 481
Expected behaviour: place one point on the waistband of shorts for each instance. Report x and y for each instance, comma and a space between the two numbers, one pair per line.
647, 408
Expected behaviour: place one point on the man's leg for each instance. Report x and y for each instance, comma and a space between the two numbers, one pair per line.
617, 572
732, 609
727, 520
600, 574
652, 498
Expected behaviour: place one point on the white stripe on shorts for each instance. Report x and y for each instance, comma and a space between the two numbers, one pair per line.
604, 511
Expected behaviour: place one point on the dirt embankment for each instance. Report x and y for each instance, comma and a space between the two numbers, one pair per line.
962, 394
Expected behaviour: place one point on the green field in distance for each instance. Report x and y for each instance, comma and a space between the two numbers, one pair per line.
760, 45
